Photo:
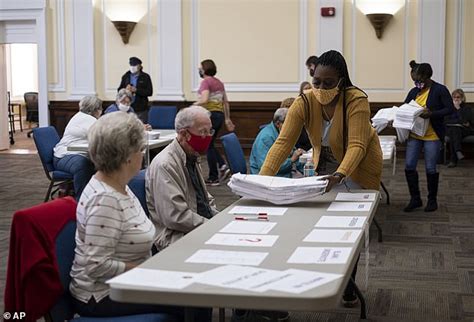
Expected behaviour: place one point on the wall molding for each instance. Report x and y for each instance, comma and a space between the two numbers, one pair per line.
60, 85
16, 25
431, 45
253, 87
459, 53
403, 90
170, 51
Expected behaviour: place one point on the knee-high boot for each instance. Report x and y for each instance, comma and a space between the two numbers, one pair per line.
415, 199
432, 180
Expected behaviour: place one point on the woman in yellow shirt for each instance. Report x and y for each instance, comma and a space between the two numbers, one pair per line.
345, 111
436, 100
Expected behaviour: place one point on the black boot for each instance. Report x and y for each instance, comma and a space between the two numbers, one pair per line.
412, 180
432, 180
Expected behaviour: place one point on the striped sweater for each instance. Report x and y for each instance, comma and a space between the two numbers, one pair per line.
112, 229
363, 159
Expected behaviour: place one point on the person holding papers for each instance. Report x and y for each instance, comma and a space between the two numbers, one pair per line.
176, 193
336, 112
458, 125
264, 141
437, 103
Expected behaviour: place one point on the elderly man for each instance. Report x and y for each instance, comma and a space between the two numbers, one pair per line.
264, 141
177, 197
139, 83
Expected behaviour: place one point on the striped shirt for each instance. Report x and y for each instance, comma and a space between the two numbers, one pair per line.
112, 229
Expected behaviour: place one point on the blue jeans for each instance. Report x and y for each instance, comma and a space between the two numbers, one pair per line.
214, 158
431, 150
81, 168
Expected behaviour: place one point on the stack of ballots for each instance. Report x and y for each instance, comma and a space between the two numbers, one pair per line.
277, 190
407, 120
382, 117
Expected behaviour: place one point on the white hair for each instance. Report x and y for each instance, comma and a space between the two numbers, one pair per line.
280, 115
187, 116
90, 105
121, 94
113, 139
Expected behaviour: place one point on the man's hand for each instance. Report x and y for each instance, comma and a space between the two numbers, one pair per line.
296, 155
426, 114
229, 125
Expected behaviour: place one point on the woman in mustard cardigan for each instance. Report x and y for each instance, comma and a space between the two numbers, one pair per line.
352, 139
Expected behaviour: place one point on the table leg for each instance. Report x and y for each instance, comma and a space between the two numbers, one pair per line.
221, 314
379, 228
363, 308
189, 314
386, 192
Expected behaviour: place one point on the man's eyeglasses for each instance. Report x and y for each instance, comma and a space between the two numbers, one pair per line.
205, 133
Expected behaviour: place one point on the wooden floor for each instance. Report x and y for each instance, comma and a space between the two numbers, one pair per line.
423, 271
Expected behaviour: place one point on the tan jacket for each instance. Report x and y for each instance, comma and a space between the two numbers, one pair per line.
171, 197
363, 159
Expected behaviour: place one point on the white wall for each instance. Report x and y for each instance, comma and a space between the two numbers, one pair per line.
22, 67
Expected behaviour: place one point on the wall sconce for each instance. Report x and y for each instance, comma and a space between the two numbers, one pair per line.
379, 21
125, 29
379, 12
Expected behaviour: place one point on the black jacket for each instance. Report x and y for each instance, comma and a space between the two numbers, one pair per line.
144, 89
439, 103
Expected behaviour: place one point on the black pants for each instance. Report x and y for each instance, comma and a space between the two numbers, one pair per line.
455, 134
349, 292
109, 308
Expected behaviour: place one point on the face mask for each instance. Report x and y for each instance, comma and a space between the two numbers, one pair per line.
198, 143
419, 85
457, 104
123, 107
133, 69
326, 96
201, 74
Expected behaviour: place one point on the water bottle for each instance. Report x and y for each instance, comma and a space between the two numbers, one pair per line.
308, 169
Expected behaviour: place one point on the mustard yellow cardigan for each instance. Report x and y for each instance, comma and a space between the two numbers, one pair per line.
363, 159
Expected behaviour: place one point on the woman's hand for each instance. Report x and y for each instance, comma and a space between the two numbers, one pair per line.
147, 127
426, 114
332, 181
229, 125
130, 265
296, 155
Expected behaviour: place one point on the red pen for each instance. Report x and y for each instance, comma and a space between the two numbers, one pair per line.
262, 218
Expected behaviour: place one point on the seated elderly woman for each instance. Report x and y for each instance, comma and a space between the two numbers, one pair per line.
74, 162
113, 233
122, 103
264, 141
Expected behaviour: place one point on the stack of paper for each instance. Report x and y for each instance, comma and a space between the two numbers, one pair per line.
277, 190
382, 117
407, 120
153, 135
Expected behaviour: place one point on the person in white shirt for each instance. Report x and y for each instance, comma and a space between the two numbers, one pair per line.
113, 232
75, 162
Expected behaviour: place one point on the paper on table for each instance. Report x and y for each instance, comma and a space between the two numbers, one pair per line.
320, 255
348, 196
242, 240
248, 227
299, 281
341, 222
211, 256
245, 210
246, 278
333, 236
155, 278
349, 206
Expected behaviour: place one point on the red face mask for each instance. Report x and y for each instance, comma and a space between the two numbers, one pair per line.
198, 143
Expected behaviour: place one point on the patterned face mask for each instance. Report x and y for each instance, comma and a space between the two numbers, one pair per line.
419, 84
326, 96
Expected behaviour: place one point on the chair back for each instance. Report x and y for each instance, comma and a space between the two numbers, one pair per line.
31, 102
234, 153
162, 117
65, 244
46, 139
137, 185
